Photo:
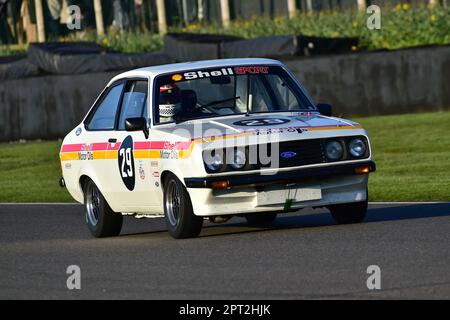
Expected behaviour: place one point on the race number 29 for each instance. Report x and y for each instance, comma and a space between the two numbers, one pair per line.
126, 163
127, 167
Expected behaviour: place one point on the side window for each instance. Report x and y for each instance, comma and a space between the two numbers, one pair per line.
104, 116
134, 102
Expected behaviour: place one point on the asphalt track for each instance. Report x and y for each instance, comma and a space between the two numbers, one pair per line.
304, 256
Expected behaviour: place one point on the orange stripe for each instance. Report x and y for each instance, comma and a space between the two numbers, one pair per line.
335, 128
182, 152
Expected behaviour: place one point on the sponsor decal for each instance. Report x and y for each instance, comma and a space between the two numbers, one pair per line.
86, 152
155, 174
141, 170
288, 154
168, 145
78, 132
168, 154
154, 164
251, 70
280, 130
177, 77
169, 151
68, 165
126, 163
208, 74
261, 122
221, 72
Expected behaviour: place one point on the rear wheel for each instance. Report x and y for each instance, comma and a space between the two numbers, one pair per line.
261, 219
102, 221
180, 218
349, 212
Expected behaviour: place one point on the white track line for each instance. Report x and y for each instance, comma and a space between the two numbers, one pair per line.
410, 202
40, 204
79, 204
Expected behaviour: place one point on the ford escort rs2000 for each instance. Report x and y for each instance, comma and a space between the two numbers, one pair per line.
213, 140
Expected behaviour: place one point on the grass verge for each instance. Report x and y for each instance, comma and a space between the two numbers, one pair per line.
412, 153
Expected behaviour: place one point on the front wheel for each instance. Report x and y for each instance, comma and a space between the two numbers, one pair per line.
180, 218
349, 213
102, 221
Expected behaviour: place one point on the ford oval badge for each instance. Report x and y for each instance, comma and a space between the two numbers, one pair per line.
288, 154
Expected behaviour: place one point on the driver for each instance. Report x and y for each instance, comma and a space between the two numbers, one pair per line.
169, 102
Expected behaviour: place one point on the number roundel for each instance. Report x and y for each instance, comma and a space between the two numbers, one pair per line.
261, 122
126, 163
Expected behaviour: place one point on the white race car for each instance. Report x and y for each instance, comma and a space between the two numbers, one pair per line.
213, 140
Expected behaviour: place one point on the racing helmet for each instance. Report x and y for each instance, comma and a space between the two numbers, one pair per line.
169, 100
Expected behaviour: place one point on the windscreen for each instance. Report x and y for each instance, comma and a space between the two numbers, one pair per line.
227, 91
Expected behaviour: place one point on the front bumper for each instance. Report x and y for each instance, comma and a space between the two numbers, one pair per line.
337, 184
283, 177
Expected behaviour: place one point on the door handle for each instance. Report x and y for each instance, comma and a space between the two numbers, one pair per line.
112, 140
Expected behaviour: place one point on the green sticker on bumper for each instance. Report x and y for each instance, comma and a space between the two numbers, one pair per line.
288, 204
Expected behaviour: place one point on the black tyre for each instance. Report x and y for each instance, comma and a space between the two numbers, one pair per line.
349, 212
261, 219
180, 219
102, 221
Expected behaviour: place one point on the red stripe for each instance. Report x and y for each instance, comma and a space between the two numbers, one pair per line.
160, 145
99, 146
115, 146
71, 147
139, 145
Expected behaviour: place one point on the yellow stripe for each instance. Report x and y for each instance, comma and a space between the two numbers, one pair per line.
111, 154
99, 155
69, 156
147, 154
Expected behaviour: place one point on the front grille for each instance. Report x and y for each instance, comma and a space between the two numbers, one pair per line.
296, 153
306, 152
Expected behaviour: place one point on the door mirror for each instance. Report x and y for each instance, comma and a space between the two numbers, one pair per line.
137, 124
325, 109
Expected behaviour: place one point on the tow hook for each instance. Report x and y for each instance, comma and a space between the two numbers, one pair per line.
62, 182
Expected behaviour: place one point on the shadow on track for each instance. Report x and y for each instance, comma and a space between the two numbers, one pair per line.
322, 219
376, 213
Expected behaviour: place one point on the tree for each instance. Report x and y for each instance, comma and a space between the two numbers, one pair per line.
362, 5
292, 8
225, 8
99, 17
40, 20
162, 21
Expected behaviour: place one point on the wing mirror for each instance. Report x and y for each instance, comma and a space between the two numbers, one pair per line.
325, 109
137, 124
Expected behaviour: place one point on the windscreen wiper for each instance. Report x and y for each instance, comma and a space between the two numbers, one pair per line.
219, 102
179, 119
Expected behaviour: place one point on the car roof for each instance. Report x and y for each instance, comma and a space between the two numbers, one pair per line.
180, 67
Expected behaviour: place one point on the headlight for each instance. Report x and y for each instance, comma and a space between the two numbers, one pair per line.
214, 160
239, 159
357, 148
334, 150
